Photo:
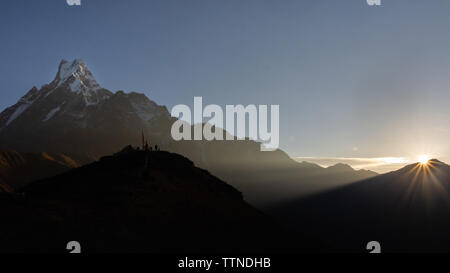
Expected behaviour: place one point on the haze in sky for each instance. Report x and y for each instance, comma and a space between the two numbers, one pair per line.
352, 81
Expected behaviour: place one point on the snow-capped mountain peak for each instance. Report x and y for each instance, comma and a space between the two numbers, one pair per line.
76, 75
75, 101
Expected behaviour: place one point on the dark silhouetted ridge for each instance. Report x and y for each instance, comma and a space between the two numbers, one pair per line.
135, 200
405, 210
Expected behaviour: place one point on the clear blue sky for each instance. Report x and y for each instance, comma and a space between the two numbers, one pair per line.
351, 80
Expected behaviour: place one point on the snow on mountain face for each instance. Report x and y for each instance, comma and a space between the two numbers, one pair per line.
24, 103
73, 83
52, 113
74, 114
77, 76
76, 100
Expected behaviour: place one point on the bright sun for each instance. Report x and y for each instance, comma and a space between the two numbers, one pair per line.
423, 159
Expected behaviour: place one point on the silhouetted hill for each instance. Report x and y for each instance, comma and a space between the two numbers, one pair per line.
136, 201
405, 210
345, 169
266, 185
340, 168
309, 165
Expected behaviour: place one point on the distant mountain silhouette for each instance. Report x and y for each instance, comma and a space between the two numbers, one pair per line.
74, 115
340, 167
345, 168
136, 201
405, 210
279, 180
19, 169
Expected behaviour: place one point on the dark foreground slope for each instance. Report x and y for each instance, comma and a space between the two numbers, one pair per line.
135, 201
406, 211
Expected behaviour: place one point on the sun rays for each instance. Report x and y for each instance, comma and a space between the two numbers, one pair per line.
424, 182
423, 159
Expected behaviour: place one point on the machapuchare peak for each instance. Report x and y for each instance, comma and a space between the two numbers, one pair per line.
76, 76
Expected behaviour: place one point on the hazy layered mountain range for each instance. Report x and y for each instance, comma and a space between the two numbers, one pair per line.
406, 210
57, 174
73, 114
